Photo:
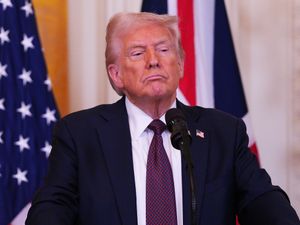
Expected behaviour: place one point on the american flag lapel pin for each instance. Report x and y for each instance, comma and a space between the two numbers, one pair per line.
200, 133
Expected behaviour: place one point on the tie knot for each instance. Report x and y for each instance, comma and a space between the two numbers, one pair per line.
157, 126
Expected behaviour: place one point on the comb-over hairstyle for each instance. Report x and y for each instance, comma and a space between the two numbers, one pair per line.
123, 23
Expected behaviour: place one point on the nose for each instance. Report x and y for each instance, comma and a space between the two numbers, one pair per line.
152, 59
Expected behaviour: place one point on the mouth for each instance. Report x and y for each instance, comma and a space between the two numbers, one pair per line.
154, 77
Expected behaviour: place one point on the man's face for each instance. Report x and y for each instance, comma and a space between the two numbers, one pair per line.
149, 66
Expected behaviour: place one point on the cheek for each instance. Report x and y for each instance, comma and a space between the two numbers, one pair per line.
131, 75
176, 70
133, 67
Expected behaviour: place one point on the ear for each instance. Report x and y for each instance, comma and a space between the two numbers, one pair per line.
181, 67
115, 75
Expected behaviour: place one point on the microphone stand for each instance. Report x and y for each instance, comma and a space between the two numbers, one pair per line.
181, 140
184, 146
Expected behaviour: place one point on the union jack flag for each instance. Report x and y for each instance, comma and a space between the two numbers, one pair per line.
27, 109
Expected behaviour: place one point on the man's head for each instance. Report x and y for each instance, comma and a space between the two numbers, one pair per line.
144, 55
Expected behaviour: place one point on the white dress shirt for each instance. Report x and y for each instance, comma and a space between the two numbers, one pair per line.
141, 137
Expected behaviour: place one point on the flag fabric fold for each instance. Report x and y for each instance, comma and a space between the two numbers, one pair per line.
27, 110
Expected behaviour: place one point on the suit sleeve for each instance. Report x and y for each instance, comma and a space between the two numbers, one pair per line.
259, 202
57, 200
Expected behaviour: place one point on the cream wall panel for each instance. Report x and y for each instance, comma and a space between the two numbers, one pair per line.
85, 60
294, 112
265, 39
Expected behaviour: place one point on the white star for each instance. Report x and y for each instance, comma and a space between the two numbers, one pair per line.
22, 143
48, 83
6, 3
20, 176
49, 116
1, 140
27, 8
24, 110
3, 70
4, 35
25, 76
27, 42
2, 107
47, 149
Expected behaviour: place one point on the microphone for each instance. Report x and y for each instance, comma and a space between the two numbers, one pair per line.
181, 139
176, 124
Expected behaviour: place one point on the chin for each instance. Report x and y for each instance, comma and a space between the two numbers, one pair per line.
162, 96
158, 93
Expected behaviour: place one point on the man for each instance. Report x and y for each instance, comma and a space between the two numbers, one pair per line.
101, 166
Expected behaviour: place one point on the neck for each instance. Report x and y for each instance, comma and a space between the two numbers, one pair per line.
155, 108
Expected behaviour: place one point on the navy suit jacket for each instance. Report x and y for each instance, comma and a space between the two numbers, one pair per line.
91, 179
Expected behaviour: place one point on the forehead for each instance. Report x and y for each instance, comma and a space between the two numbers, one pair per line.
147, 34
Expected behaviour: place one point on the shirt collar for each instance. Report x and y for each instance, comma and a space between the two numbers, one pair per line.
139, 120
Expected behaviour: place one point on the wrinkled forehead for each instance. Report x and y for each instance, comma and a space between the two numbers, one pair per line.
150, 34
151, 28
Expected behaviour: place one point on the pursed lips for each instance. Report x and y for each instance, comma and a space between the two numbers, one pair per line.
154, 77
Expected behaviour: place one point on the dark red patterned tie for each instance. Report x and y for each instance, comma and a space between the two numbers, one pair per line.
160, 194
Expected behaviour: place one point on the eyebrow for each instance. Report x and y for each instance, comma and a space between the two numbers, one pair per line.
139, 45
136, 46
163, 42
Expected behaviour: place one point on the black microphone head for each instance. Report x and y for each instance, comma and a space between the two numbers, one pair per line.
173, 115
176, 124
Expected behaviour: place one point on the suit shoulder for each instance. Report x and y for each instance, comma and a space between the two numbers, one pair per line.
104, 111
214, 119
85, 113
212, 114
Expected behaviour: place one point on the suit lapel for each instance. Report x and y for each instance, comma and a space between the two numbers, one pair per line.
118, 155
199, 151
115, 139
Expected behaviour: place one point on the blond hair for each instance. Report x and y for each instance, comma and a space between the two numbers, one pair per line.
122, 23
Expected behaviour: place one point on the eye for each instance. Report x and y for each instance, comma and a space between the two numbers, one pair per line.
136, 54
165, 49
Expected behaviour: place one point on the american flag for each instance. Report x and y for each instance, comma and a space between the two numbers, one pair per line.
199, 133
27, 109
